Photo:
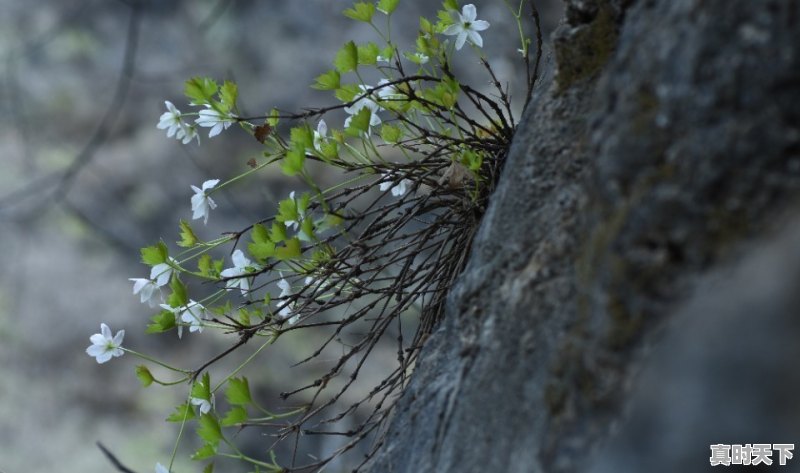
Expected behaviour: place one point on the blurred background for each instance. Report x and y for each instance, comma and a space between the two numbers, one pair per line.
86, 180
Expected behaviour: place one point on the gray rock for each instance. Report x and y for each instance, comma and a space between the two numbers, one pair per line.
663, 137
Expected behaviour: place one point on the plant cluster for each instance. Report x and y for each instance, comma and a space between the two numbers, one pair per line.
369, 258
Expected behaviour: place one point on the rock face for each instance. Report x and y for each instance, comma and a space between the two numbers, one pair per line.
662, 146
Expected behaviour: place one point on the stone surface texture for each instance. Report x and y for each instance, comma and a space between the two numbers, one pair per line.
661, 147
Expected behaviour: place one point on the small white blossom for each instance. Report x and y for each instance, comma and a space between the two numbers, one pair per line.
421, 58
146, 288
204, 405
201, 202
466, 27
161, 468
287, 309
104, 346
170, 120
389, 92
187, 133
240, 268
160, 273
192, 313
320, 135
382, 59
210, 118
364, 102
398, 189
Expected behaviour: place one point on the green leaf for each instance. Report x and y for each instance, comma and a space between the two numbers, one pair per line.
182, 412
144, 375
200, 89
328, 81
188, 238
238, 392
287, 210
291, 250
387, 6
277, 232
262, 247
179, 296
244, 316
347, 58
236, 415
206, 451
209, 430
205, 266
272, 119
347, 92
368, 54
161, 322
156, 254
293, 161
360, 122
302, 137
388, 53
451, 4
361, 11
391, 133
259, 233
202, 389
330, 221
261, 250
227, 96
209, 468
306, 230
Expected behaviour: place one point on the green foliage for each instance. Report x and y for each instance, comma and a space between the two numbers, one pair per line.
182, 413
387, 6
359, 123
350, 257
361, 11
327, 81
368, 54
201, 90
209, 430
188, 237
238, 392
179, 296
144, 375
156, 254
237, 415
347, 58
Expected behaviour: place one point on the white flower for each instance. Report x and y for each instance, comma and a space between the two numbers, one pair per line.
213, 119
104, 346
187, 133
205, 406
362, 103
201, 202
320, 135
466, 27
382, 59
398, 189
240, 268
288, 308
161, 273
170, 120
389, 92
161, 468
192, 313
146, 288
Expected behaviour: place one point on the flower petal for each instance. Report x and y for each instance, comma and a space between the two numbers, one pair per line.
475, 38
479, 25
462, 38
468, 13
